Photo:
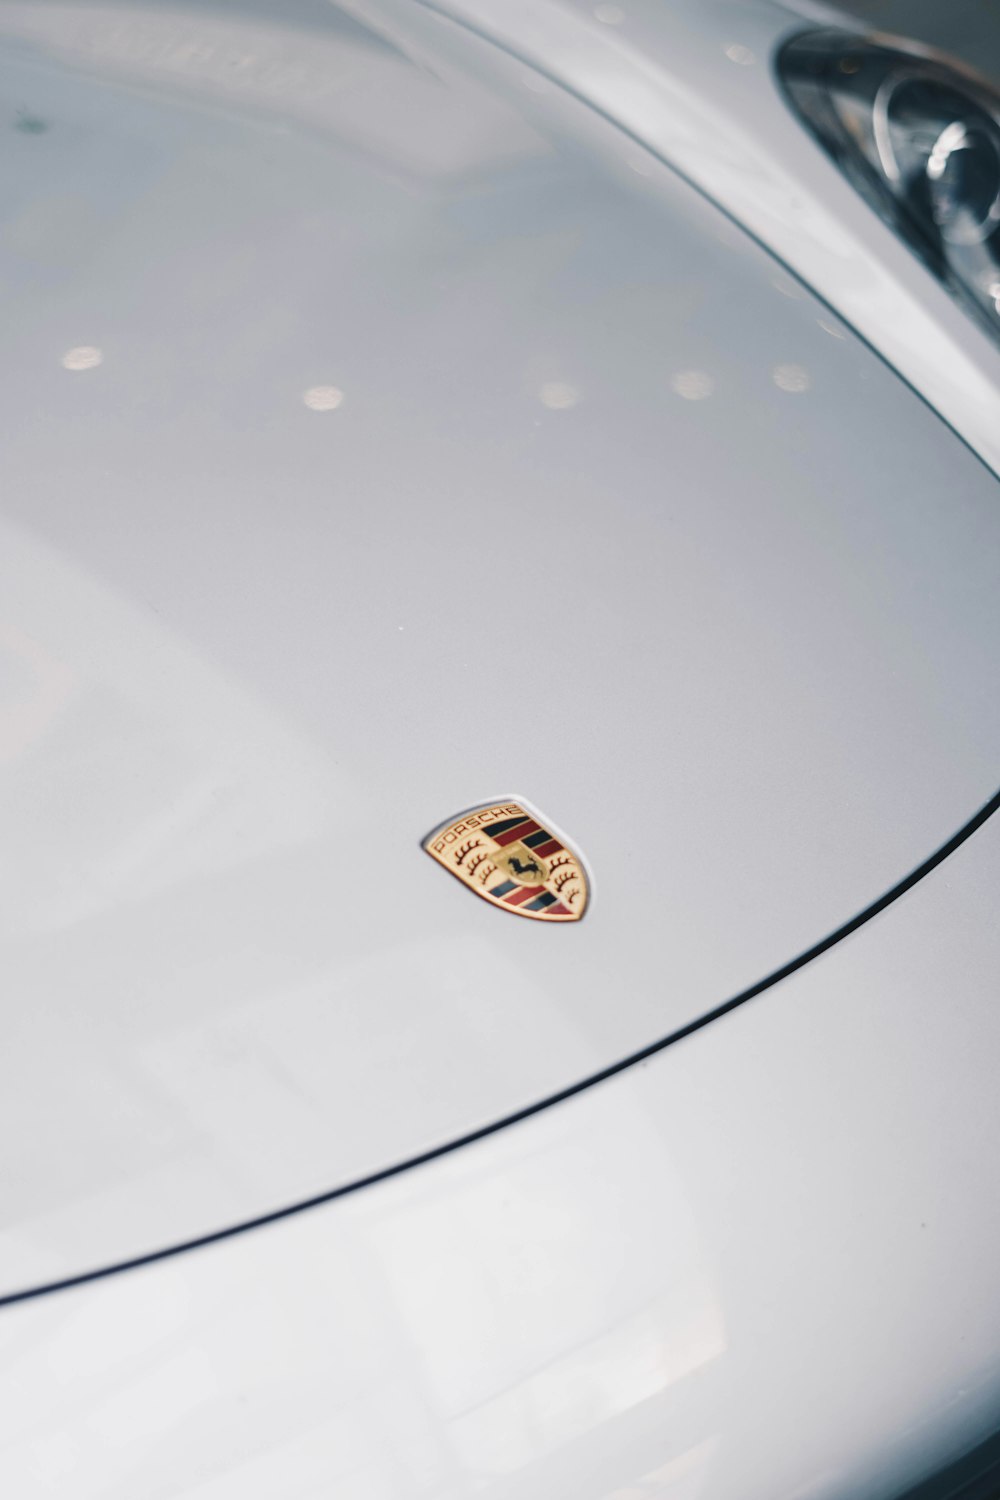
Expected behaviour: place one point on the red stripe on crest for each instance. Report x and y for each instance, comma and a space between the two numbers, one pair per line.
516, 897
513, 834
544, 850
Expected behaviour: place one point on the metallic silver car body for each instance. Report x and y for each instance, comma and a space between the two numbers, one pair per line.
759, 1267
605, 509
695, 84
311, 332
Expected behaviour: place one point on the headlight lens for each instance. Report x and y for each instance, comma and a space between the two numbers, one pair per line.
920, 141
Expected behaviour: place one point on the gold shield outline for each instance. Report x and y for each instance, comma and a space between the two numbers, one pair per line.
556, 890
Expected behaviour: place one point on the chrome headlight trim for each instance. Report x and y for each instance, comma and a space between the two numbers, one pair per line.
919, 139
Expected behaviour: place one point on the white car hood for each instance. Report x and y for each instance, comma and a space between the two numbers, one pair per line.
434, 444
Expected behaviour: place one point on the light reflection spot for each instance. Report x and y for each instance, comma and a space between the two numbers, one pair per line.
788, 288
792, 378
322, 397
557, 395
831, 329
82, 357
611, 15
693, 385
737, 53
641, 165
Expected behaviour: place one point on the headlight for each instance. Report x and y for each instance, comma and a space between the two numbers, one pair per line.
919, 140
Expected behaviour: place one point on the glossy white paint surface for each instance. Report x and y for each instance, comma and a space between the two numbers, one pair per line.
315, 335
695, 83
760, 1267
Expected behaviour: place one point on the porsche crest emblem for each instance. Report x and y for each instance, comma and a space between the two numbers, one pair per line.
506, 855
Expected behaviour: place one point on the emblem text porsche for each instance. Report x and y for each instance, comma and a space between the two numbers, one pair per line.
506, 855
